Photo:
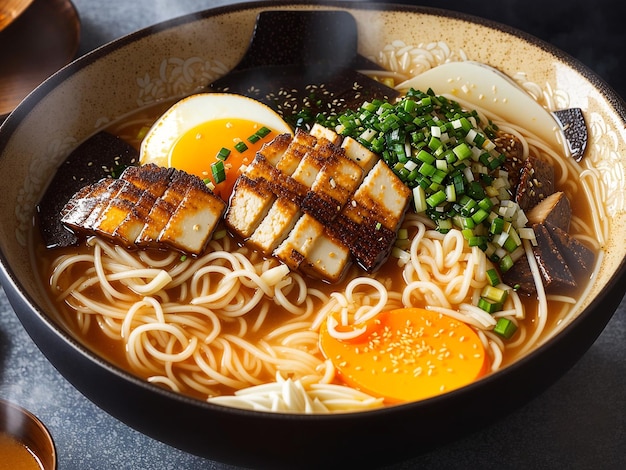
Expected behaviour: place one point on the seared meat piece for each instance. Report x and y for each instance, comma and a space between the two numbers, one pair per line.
163, 208
190, 226
554, 210
321, 205
356, 152
118, 209
275, 226
510, 146
249, 204
152, 181
520, 276
310, 249
536, 182
563, 260
578, 257
83, 209
557, 276
147, 206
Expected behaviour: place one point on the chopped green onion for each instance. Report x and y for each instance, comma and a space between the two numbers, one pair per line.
263, 132
489, 306
254, 138
223, 154
506, 263
505, 328
218, 171
494, 278
494, 293
219, 234
241, 147
419, 199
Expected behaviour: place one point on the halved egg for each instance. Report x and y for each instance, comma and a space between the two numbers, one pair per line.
212, 135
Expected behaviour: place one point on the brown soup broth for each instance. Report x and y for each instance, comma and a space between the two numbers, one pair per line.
131, 130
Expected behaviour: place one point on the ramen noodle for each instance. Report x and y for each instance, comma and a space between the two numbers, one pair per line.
236, 328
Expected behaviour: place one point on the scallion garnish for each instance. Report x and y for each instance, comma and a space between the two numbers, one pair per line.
218, 171
223, 154
505, 327
446, 156
241, 147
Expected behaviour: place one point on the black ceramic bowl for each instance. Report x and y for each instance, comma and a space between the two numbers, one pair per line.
182, 56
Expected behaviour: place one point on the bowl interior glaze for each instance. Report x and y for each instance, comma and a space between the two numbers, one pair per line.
180, 57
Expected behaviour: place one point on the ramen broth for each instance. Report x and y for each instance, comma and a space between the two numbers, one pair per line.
391, 276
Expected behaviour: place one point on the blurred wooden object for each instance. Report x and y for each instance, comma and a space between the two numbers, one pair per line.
43, 39
10, 10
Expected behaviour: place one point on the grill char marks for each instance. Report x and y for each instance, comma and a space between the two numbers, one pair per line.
324, 204
147, 206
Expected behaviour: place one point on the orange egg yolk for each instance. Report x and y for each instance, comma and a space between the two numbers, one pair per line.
407, 355
198, 148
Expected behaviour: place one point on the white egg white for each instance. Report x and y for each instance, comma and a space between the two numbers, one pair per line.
197, 109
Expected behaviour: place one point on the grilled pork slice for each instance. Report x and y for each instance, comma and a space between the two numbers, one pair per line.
163, 208
371, 219
118, 209
249, 204
310, 249
536, 182
356, 152
82, 209
318, 206
564, 262
554, 210
147, 206
275, 226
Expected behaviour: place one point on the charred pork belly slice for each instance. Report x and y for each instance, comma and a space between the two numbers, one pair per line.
147, 206
190, 226
383, 196
536, 182
117, 210
371, 219
275, 150
578, 257
275, 226
249, 204
150, 177
81, 204
356, 152
83, 209
330, 203
296, 150
152, 180
309, 248
267, 205
563, 261
163, 208
129, 229
554, 210
338, 178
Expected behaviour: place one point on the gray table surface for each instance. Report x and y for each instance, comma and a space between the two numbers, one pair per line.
579, 422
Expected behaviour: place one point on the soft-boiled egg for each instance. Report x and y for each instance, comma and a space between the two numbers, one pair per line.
212, 135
